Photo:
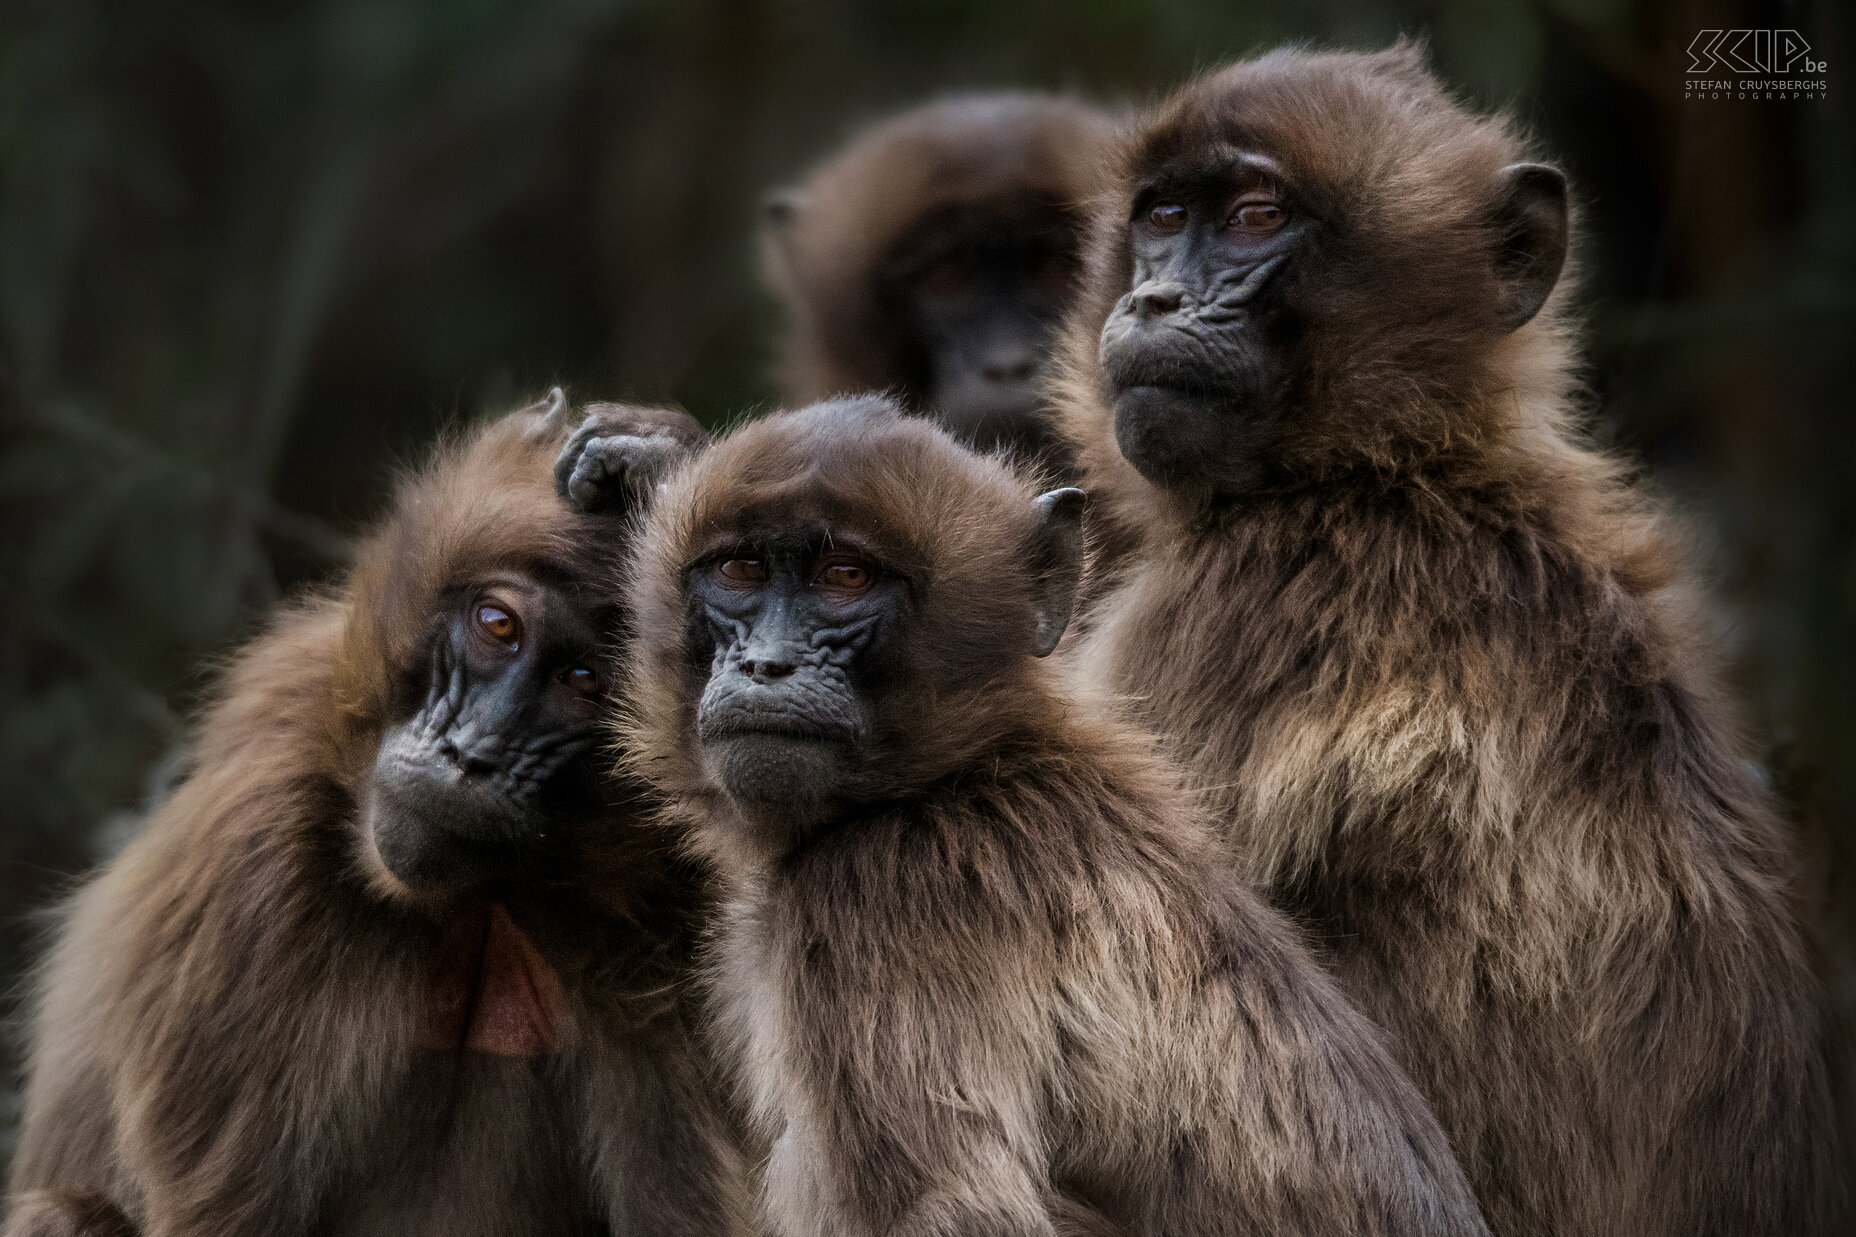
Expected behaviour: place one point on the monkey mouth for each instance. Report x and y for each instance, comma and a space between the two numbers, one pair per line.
1143, 362
751, 714
785, 770
1152, 395
441, 836
790, 730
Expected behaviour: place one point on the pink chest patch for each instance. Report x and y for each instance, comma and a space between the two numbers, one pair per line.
491, 991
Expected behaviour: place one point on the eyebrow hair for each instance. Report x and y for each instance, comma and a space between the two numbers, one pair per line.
1214, 168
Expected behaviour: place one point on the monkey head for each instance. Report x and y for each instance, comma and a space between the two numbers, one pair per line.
836, 606
981, 288
467, 785
935, 256
1313, 264
488, 590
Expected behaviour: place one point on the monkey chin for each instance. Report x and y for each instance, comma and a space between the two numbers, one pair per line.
1187, 440
778, 778
413, 852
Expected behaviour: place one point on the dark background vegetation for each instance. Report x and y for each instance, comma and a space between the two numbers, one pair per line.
253, 255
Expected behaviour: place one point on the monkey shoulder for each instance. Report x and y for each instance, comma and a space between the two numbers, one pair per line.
1052, 843
277, 694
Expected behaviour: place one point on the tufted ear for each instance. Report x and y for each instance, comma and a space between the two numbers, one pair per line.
548, 417
1531, 214
1056, 565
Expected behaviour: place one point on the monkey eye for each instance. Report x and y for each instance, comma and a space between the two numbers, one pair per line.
1258, 215
581, 680
845, 576
947, 280
741, 572
1053, 274
1167, 217
499, 625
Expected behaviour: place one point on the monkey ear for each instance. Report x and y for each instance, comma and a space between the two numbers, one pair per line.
1056, 564
1532, 215
548, 416
778, 211
779, 208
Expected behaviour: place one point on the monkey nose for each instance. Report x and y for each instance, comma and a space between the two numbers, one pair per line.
763, 669
468, 758
1010, 369
1156, 299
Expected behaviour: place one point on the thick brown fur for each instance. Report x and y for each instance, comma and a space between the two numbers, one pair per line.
1447, 684
1014, 972
67, 1213
830, 238
226, 1025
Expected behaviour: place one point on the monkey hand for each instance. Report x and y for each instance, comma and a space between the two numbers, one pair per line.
622, 453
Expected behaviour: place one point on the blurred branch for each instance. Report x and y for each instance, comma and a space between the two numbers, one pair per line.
294, 527
125, 689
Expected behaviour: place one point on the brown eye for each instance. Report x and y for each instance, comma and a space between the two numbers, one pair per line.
1053, 275
1259, 216
743, 571
500, 625
582, 680
946, 281
845, 577
1167, 217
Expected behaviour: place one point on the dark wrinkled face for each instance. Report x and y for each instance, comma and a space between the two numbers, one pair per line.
793, 625
1196, 353
983, 294
465, 790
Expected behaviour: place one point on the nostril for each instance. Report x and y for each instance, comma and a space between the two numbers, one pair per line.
1010, 371
765, 668
469, 764
1158, 300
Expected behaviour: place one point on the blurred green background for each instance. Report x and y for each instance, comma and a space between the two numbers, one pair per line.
252, 255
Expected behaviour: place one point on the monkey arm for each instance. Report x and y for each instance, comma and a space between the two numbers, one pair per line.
945, 1165
926, 1075
244, 1006
204, 1078
665, 1166
257, 1041
67, 1135
1262, 1032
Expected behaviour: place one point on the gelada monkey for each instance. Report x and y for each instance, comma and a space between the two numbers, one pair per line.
1437, 664
978, 962
396, 957
933, 258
